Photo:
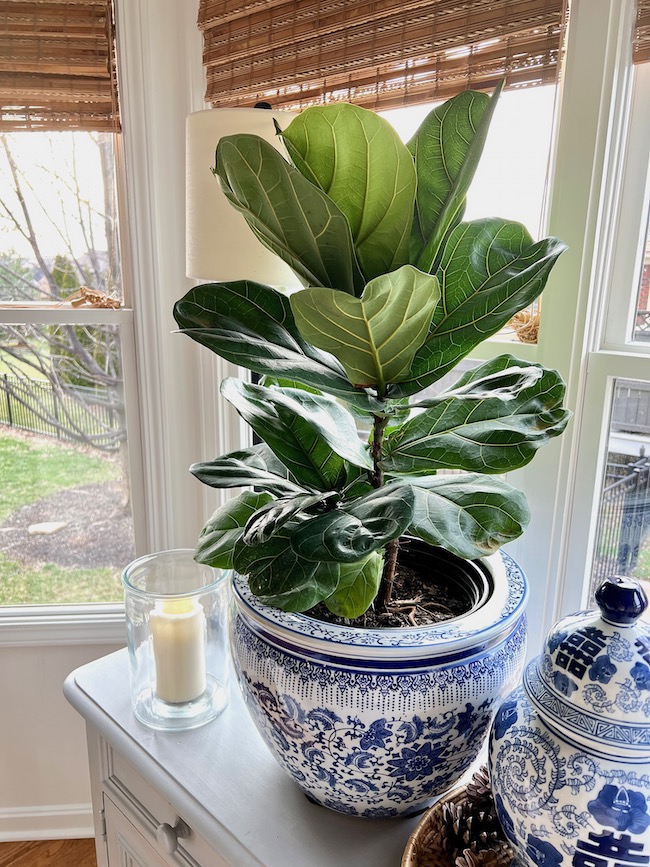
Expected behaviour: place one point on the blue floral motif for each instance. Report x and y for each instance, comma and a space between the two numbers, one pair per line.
563, 683
340, 807
415, 764
542, 852
466, 718
620, 808
379, 813
602, 669
371, 743
556, 640
376, 736
641, 675
323, 718
506, 717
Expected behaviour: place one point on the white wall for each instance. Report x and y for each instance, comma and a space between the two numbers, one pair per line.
44, 781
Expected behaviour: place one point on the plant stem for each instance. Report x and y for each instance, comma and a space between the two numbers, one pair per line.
384, 597
390, 554
378, 429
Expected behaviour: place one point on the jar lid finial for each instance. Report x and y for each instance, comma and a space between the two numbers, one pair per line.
621, 600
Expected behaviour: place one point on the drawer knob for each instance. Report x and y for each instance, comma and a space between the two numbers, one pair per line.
168, 837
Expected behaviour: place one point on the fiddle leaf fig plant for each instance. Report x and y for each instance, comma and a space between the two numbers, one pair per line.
397, 290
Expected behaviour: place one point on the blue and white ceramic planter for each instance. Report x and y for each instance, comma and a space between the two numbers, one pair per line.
570, 747
376, 723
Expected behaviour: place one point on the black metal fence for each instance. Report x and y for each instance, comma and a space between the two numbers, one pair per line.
642, 325
87, 415
624, 522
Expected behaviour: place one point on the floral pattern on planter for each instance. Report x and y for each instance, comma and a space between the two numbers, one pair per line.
369, 738
377, 766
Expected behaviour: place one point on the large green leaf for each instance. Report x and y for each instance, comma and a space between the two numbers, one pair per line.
504, 376
357, 158
375, 337
357, 528
252, 325
256, 465
481, 433
312, 435
225, 528
268, 520
357, 586
490, 269
289, 215
469, 514
446, 149
279, 577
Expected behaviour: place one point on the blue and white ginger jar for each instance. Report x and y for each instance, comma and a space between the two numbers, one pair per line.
375, 723
570, 747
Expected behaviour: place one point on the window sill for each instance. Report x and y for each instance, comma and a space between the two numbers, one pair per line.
34, 626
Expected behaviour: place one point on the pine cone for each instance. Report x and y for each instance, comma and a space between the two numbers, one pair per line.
486, 858
479, 790
465, 828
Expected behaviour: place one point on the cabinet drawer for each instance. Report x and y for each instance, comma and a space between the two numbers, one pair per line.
126, 844
155, 811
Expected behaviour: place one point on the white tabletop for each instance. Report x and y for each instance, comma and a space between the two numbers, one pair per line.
227, 784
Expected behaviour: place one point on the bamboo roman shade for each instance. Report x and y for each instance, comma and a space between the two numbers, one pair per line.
642, 32
377, 53
57, 65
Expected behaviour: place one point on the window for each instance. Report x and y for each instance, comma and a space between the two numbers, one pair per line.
598, 205
66, 527
617, 382
512, 175
167, 428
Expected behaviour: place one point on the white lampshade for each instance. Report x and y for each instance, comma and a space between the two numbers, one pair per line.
219, 243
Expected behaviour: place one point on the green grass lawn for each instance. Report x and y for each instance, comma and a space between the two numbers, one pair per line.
51, 584
32, 469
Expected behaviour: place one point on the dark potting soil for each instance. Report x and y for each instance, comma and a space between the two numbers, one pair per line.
417, 601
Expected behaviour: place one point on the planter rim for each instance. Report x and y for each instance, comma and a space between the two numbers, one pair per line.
499, 613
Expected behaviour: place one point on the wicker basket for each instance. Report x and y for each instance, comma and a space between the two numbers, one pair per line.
425, 847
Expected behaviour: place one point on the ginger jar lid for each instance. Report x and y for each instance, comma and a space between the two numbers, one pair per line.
592, 680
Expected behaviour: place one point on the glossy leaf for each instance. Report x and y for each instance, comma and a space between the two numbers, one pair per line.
503, 377
489, 271
357, 528
468, 514
256, 465
252, 325
225, 528
312, 435
446, 150
279, 577
288, 214
358, 584
266, 522
357, 158
375, 337
481, 434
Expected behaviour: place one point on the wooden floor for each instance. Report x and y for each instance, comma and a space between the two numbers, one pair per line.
49, 853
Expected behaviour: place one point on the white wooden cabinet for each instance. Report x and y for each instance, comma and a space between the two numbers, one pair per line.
213, 797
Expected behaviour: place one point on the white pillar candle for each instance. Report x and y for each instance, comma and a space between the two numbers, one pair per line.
178, 633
